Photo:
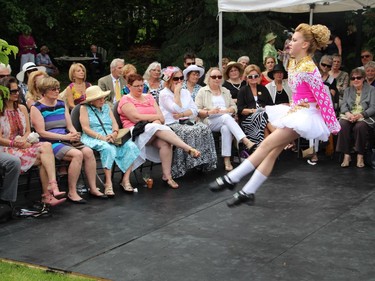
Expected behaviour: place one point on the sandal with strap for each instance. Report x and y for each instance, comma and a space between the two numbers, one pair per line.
127, 187
194, 153
171, 183
108, 190
54, 190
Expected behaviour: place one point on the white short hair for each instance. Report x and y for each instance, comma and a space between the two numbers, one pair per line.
115, 62
3, 66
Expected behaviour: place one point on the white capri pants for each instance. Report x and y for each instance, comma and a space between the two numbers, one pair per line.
228, 127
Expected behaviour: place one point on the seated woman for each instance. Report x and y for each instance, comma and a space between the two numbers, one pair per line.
32, 94
192, 74
233, 74
342, 77
76, 91
153, 79
215, 108
15, 140
156, 142
279, 89
180, 111
51, 119
43, 59
100, 130
251, 102
357, 107
126, 71
269, 64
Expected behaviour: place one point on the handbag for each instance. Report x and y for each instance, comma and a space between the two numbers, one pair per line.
186, 121
123, 134
139, 128
370, 121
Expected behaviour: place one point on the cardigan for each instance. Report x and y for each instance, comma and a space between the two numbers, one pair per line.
367, 100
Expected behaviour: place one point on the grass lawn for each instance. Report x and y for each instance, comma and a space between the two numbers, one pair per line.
17, 271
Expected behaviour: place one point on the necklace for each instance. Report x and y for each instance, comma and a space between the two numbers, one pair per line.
234, 85
279, 92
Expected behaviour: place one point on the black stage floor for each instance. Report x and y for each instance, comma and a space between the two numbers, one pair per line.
308, 223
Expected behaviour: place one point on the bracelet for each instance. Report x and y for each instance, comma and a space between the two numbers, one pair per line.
97, 136
115, 131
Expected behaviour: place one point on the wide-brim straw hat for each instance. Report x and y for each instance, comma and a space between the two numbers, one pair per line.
278, 68
27, 67
270, 36
94, 93
230, 65
192, 68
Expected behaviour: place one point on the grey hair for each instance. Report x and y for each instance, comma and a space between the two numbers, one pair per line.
370, 64
152, 65
3, 66
115, 62
244, 58
326, 58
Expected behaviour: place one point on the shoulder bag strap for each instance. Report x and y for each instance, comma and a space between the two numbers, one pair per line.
100, 121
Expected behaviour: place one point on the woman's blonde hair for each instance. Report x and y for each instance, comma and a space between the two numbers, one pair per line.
46, 84
268, 57
317, 35
32, 92
207, 78
152, 65
252, 67
128, 68
73, 68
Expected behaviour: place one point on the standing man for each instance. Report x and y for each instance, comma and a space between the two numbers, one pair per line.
189, 59
113, 81
96, 65
366, 56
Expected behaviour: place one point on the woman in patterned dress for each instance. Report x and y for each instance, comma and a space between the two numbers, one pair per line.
51, 119
178, 107
192, 74
157, 140
14, 135
311, 115
100, 136
153, 80
76, 91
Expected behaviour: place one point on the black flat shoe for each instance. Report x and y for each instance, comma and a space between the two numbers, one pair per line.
239, 198
81, 201
221, 183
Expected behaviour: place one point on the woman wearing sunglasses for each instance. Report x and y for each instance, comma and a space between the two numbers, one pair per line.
216, 109
180, 111
310, 115
357, 109
252, 99
156, 141
15, 139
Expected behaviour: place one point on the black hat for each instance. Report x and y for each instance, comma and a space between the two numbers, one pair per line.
277, 68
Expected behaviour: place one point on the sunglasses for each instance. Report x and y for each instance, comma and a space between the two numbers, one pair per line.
178, 78
54, 89
355, 78
365, 56
326, 65
254, 76
216, 76
190, 63
4, 75
14, 91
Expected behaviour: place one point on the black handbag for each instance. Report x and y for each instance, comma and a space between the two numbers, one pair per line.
139, 128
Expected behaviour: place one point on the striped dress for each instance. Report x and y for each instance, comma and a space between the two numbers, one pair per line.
54, 119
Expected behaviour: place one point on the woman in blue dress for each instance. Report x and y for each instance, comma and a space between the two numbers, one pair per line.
100, 130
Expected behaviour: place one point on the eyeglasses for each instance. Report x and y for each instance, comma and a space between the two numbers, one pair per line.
365, 56
14, 91
190, 63
326, 65
216, 76
356, 78
254, 76
138, 86
55, 89
178, 78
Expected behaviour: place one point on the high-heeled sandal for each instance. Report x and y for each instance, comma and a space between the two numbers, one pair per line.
360, 163
49, 200
194, 153
108, 190
171, 183
54, 190
127, 187
346, 163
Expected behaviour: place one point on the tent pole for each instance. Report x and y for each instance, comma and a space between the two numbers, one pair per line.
220, 40
312, 7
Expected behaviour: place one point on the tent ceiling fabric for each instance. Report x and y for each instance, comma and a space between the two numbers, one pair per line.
293, 6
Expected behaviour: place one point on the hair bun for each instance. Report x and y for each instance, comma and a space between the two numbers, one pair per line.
321, 34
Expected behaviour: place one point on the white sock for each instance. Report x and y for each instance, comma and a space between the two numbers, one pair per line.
254, 183
245, 168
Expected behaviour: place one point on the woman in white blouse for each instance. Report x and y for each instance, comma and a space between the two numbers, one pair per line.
216, 107
180, 112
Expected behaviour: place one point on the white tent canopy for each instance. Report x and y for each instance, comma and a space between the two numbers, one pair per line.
287, 6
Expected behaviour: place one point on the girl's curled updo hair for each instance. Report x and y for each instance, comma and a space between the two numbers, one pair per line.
317, 35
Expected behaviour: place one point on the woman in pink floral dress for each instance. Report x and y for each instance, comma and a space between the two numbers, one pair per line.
15, 139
